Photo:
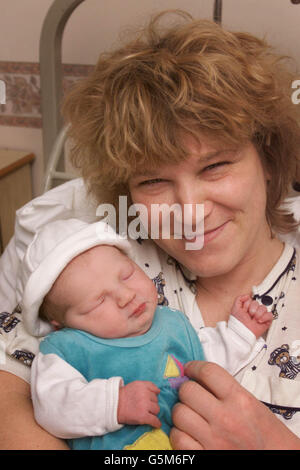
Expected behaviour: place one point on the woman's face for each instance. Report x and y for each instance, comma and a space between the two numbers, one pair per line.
231, 183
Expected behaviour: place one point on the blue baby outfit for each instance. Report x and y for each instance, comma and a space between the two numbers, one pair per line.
157, 356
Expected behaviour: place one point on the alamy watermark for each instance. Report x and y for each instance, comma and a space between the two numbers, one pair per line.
2, 92
296, 93
163, 222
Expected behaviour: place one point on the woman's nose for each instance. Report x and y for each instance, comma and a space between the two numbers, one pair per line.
195, 202
124, 295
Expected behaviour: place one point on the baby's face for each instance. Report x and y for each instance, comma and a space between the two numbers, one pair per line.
106, 294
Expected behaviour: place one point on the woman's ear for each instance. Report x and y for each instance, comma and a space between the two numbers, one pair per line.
296, 184
267, 175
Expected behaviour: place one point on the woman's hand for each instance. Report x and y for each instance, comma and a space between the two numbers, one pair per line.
216, 413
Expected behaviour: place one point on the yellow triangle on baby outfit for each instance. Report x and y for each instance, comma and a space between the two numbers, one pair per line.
171, 369
156, 439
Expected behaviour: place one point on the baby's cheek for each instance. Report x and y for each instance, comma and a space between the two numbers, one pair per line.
153, 294
112, 330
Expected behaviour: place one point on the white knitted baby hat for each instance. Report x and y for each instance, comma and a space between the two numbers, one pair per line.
52, 248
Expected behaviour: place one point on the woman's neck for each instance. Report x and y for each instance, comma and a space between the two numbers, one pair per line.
215, 295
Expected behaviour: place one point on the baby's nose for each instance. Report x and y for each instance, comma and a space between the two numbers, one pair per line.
124, 296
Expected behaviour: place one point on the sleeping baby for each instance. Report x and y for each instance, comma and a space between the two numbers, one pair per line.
109, 368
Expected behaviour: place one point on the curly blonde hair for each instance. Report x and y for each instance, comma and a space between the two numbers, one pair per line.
192, 77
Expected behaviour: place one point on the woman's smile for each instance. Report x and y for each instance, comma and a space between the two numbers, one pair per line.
208, 235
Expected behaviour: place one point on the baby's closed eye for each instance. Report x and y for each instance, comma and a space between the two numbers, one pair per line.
126, 272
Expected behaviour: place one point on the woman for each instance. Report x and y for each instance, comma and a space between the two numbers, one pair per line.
190, 115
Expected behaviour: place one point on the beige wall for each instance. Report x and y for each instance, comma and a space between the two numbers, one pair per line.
95, 26
277, 20
103, 21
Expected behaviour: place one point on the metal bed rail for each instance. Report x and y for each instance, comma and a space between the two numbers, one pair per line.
51, 71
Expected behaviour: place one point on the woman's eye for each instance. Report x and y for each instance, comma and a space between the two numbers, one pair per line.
151, 182
215, 166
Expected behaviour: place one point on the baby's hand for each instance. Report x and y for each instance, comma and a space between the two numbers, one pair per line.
254, 316
138, 404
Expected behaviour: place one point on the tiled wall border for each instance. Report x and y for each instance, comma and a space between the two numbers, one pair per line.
22, 83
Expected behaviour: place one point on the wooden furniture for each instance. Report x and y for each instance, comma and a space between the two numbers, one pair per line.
15, 189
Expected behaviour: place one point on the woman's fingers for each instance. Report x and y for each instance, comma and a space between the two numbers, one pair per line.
212, 377
182, 441
188, 423
226, 416
198, 399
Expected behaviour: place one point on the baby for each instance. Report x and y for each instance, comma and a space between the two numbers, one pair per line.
117, 358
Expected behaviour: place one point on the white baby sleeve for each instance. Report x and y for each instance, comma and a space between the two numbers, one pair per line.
231, 345
68, 406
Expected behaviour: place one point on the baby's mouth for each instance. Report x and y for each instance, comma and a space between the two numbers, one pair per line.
139, 310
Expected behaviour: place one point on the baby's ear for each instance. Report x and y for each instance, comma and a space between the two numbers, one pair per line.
57, 326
